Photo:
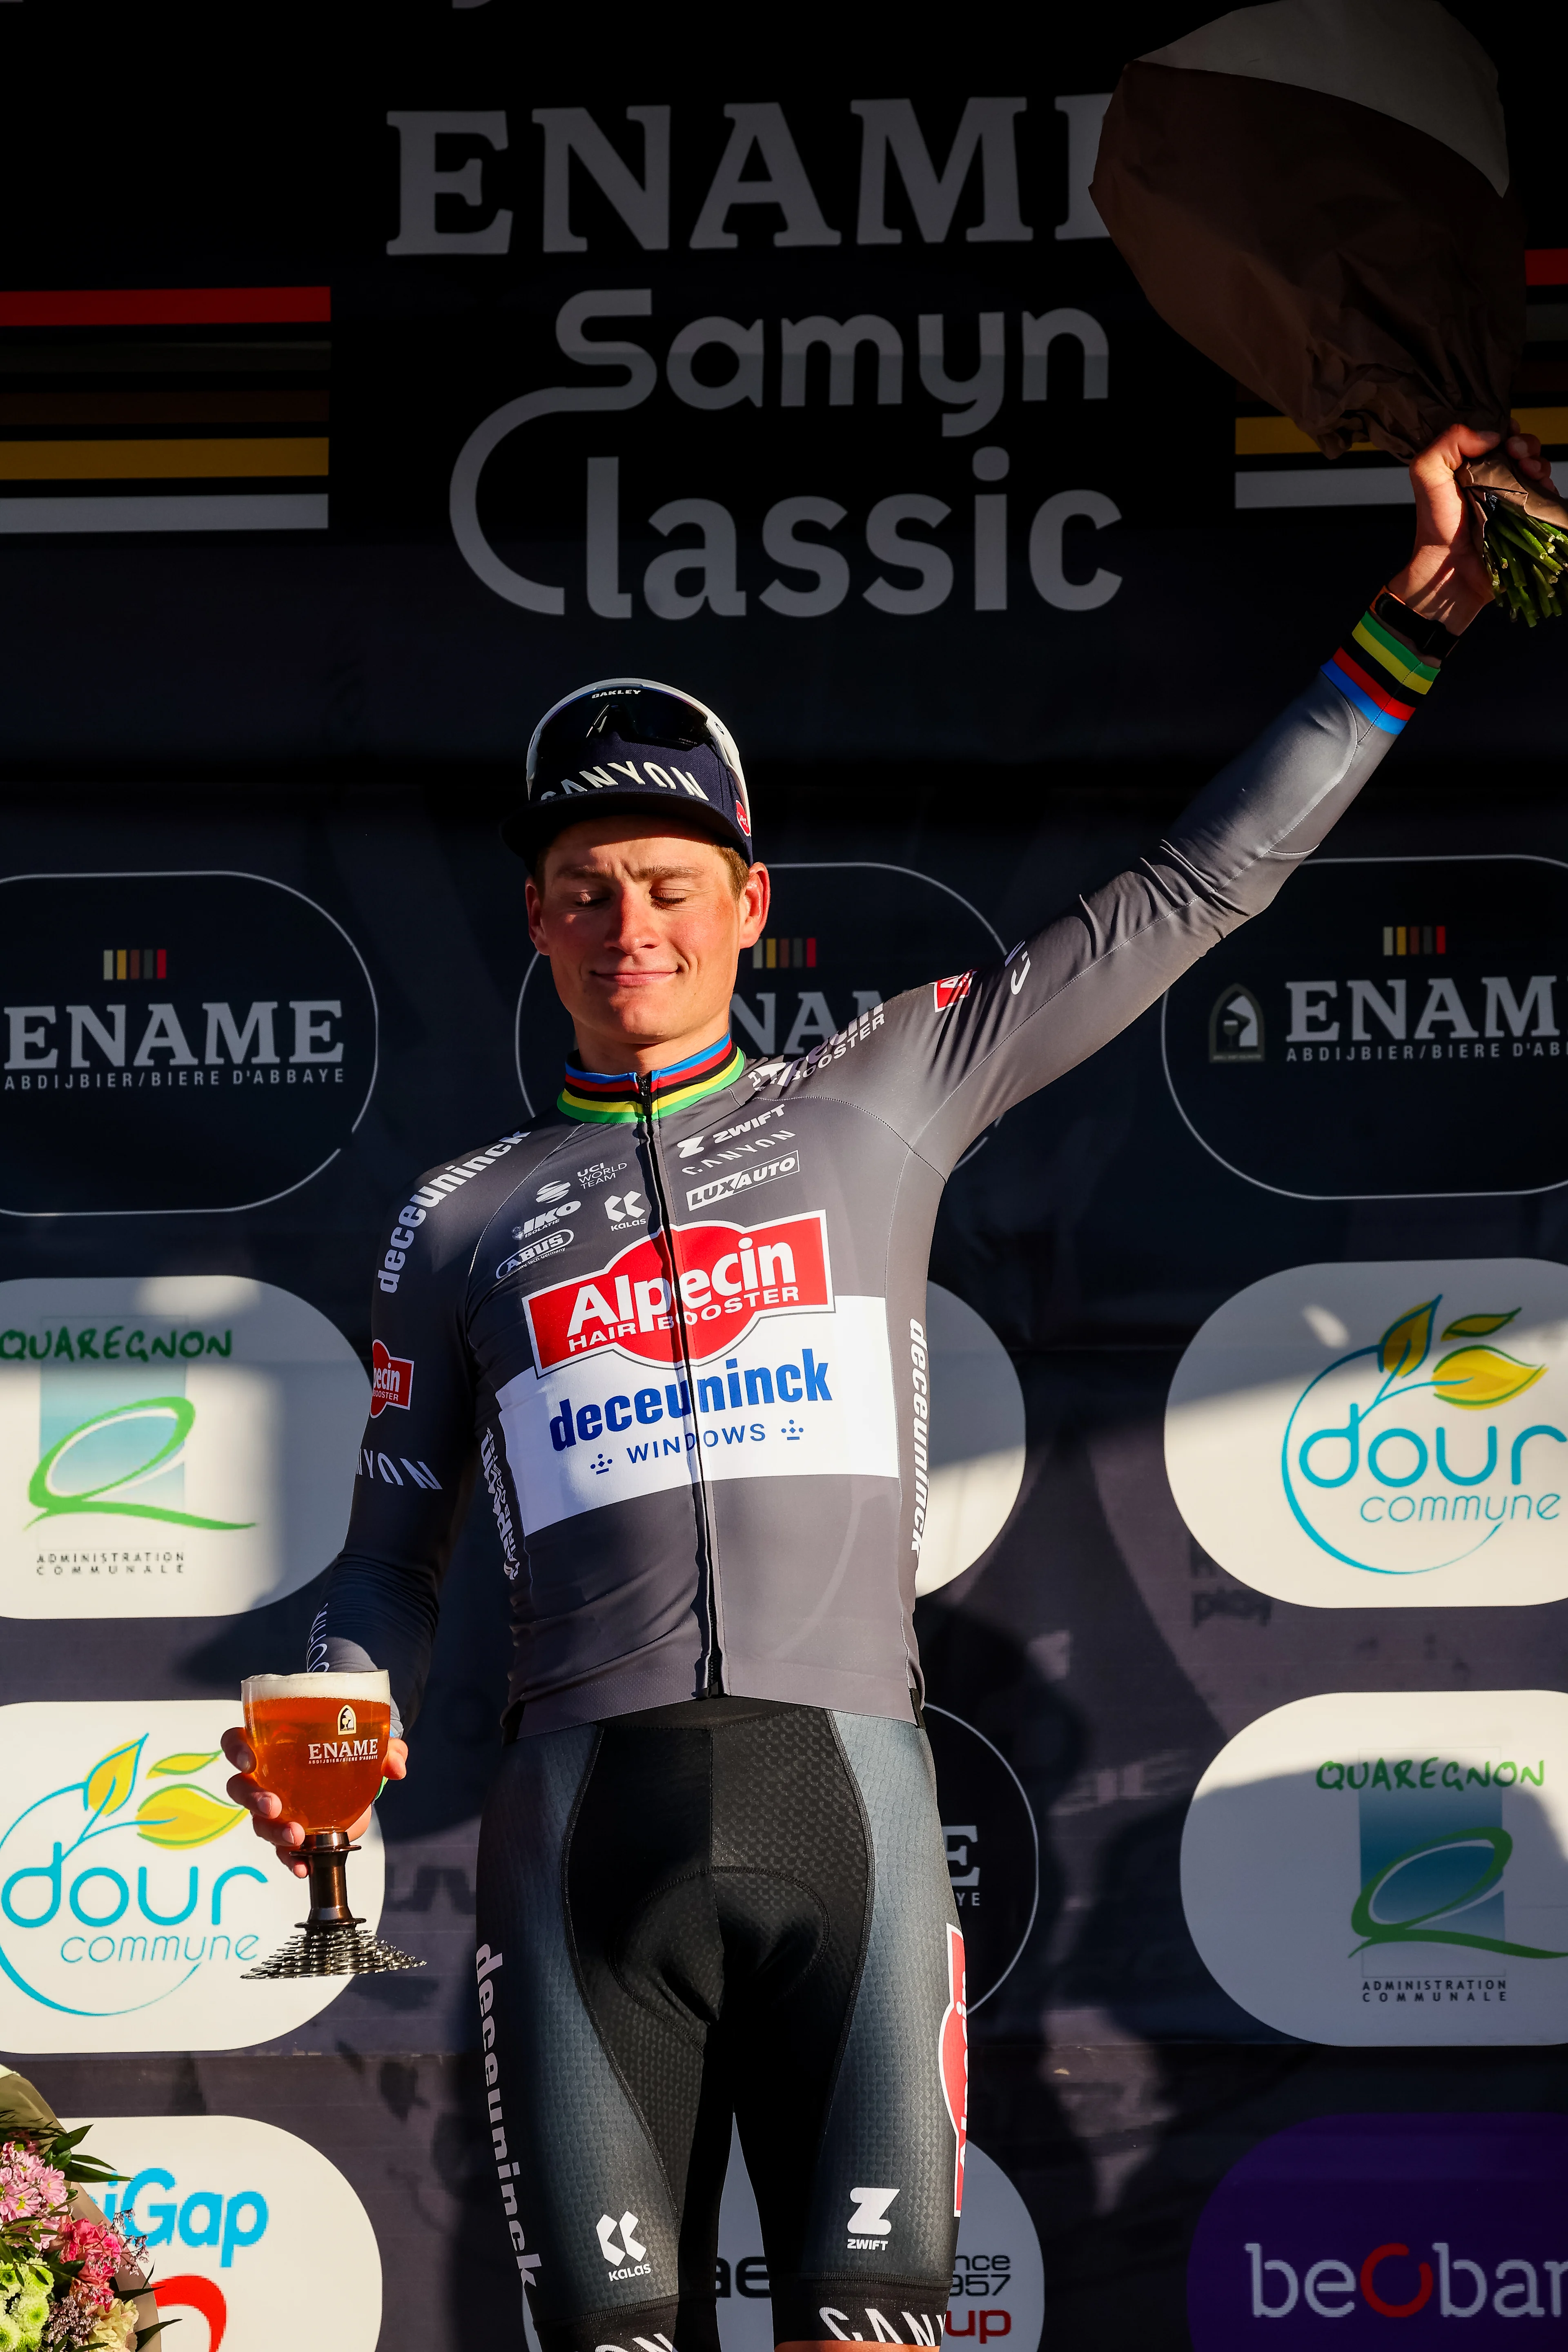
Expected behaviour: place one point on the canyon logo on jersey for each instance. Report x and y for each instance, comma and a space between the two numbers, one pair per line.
731, 1277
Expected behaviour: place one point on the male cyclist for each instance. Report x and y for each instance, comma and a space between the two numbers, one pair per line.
676, 1327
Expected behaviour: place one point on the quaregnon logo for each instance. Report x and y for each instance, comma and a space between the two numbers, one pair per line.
1368, 2218
842, 939
1384, 1436
129, 1908
392, 1380
1394, 1028
178, 1446
1389, 1867
229, 1073
248, 2227
731, 1277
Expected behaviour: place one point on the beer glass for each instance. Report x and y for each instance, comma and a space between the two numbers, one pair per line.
320, 1743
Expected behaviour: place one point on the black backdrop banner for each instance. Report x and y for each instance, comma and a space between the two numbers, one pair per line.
362, 389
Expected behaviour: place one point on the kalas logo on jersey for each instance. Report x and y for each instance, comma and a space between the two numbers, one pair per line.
731, 1276
1380, 1435
392, 1380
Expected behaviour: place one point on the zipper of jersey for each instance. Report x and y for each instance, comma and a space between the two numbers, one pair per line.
707, 1549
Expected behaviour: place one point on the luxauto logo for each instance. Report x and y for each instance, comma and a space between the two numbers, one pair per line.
1420, 1458
1417, 2219
129, 1906
1389, 1867
248, 2227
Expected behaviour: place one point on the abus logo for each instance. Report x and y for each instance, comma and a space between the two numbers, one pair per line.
392, 1380
1389, 1867
550, 1245
130, 1905
731, 1275
1415, 2219
1421, 1460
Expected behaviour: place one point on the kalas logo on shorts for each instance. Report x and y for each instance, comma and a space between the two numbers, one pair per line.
1422, 1458
131, 1901
392, 1380
1389, 1867
1368, 2218
731, 1276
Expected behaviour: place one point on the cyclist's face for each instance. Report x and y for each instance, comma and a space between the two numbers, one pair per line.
643, 928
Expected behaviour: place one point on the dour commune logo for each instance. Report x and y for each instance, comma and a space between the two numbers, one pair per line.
1380, 1435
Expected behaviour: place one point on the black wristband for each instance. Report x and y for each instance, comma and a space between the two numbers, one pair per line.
1430, 639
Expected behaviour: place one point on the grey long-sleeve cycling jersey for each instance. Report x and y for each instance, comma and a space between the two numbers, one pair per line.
701, 1416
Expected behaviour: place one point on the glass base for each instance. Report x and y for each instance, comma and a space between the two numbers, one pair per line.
341, 1951
330, 1943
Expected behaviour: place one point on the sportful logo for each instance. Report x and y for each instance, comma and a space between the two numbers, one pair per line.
392, 1380
731, 1276
1349, 1480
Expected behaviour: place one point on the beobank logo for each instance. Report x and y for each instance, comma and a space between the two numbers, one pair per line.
1389, 1867
1378, 2219
731, 1277
132, 1896
253, 2236
1382, 1435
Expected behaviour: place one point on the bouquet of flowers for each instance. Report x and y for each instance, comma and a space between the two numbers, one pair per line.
1315, 193
67, 2277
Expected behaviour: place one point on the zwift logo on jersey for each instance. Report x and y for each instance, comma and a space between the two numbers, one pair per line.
731, 1276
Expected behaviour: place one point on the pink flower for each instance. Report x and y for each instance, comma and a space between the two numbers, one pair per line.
27, 2184
101, 2250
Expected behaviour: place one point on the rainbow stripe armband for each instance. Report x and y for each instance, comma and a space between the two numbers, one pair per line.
1382, 675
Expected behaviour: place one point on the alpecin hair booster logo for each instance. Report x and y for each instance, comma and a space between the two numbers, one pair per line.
731, 1277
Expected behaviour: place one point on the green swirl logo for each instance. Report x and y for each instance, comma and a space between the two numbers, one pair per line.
1437, 1868
102, 1460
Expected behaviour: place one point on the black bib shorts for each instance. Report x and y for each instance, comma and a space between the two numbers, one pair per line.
723, 1908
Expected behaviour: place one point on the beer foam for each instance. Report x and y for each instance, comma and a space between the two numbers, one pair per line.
343, 1686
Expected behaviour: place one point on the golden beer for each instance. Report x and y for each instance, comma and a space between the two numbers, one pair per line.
320, 1742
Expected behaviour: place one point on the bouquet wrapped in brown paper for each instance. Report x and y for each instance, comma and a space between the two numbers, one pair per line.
1315, 193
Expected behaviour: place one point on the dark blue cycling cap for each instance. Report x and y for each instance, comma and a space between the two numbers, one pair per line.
630, 744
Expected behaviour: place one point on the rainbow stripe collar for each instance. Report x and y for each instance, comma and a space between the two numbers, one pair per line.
615, 1102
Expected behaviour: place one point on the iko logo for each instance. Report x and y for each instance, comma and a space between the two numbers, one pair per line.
556, 1189
1419, 1460
628, 2258
546, 1217
625, 1208
869, 2227
391, 1381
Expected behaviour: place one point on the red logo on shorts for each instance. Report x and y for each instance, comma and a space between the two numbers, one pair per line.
391, 1379
731, 1277
953, 2058
949, 992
